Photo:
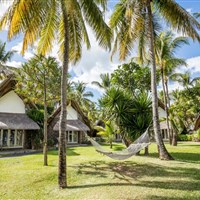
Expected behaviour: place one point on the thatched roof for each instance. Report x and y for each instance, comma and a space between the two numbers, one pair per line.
7, 85
17, 121
76, 107
73, 125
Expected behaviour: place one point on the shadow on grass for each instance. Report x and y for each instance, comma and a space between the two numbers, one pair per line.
70, 152
131, 174
182, 156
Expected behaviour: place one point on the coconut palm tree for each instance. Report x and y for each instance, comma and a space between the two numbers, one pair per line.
5, 56
165, 48
136, 17
65, 21
185, 79
80, 94
105, 81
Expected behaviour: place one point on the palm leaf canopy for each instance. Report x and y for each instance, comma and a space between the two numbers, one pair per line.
39, 19
132, 16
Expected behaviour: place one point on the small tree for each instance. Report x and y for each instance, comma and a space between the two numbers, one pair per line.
39, 81
108, 132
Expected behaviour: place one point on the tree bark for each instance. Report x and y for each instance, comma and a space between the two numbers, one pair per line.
174, 139
62, 172
45, 150
166, 106
163, 153
146, 151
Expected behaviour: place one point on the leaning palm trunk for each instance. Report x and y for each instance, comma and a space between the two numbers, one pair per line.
166, 107
163, 153
62, 172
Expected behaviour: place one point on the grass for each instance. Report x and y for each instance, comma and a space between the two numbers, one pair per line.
94, 176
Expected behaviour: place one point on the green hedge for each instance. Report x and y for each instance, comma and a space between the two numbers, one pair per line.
186, 137
194, 137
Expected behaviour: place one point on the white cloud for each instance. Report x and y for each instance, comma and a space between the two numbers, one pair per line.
194, 64
14, 64
27, 55
3, 7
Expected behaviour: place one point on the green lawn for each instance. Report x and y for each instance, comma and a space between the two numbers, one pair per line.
94, 176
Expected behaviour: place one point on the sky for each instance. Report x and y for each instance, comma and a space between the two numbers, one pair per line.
97, 61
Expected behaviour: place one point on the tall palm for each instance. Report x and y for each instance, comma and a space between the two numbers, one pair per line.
5, 56
165, 48
105, 81
65, 21
136, 17
81, 95
185, 79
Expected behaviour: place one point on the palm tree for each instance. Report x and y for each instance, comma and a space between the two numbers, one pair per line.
185, 79
5, 56
165, 48
108, 132
80, 94
136, 17
105, 81
66, 20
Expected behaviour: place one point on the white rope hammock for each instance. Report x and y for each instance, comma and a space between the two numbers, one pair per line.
139, 144
142, 142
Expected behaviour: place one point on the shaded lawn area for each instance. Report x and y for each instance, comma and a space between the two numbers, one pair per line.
94, 176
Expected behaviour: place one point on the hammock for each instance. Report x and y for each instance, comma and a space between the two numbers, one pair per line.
142, 142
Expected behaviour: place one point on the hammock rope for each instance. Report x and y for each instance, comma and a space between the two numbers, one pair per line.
142, 142
139, 144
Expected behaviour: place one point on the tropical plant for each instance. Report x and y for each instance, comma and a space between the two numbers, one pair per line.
132, 76
108, 132
81, 95
132, 114
5, 56
65, 20
185, 79
42, 87
105, 81
166, 46
136, 18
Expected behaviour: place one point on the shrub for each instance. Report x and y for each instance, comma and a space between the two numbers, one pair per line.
196, 136
186, 137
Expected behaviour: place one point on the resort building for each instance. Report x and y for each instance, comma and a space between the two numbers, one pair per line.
77, 124
16, 127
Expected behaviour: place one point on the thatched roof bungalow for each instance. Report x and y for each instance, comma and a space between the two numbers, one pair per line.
77, 124
15, 125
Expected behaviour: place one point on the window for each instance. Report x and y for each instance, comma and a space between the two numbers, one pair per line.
11, 138
72, 137
19, 137
5, 138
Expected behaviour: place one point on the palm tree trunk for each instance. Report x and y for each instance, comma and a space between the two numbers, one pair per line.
166, 107
146, 151
163, 153
45, 132
174, 133
62, 172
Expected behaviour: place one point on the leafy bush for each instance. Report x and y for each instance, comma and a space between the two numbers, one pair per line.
186, 137
196, 136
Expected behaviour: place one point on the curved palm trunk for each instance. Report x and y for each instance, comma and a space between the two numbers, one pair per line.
173, 133
163, 153
62, 172
166, 107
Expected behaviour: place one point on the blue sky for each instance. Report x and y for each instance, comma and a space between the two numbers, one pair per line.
97, 61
